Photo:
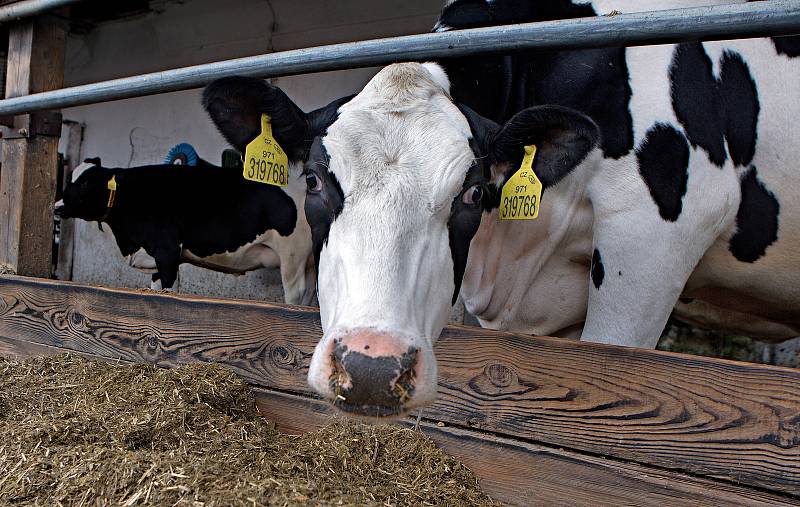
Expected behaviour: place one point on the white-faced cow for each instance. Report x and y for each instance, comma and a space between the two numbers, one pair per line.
163, 215
666, 170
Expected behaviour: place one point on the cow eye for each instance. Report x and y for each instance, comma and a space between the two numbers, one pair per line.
313, 183
472, 195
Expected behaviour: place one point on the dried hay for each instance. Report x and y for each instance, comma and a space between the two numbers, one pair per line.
77, 432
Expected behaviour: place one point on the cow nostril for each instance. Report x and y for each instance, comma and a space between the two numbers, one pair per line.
404, 386
338, 378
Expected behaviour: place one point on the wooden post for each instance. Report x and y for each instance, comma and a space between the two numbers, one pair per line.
73, 131
30, 148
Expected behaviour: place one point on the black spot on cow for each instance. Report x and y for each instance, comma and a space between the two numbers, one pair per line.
597, 270
756, 220
789, 46
464, 220
324, 205
739, 97
713, 110
696, 101
594, 82
663, 159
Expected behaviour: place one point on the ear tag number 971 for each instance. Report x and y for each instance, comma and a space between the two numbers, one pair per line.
264, 160
522, 193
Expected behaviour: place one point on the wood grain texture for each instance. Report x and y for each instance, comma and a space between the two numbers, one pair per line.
734, 421
28, 186
512, 471
519, 473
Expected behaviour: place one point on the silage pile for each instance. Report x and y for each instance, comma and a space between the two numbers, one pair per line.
77, 432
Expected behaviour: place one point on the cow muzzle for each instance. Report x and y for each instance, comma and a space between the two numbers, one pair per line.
372, 374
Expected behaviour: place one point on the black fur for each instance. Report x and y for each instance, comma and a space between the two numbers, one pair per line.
714, 110
663, 159
464, 221
696, 101
322, 208
756, 220
594, 82
740, 100
164, 208
598, 272
789, 46
320, 119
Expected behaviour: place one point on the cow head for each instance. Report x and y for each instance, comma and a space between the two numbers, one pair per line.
398, 180
86, 195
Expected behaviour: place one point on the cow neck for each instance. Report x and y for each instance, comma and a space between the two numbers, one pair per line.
506, 256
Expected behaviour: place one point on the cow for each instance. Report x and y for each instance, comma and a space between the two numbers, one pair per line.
291, 254
666, 172
166, 214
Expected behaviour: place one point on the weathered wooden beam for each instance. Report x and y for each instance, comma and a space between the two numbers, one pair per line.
66, 241
30, 149
521, 473
715, 418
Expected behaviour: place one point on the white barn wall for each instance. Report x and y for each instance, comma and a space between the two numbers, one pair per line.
141, 131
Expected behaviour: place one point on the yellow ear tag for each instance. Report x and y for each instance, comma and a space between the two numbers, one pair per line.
522, 193
264, 160
112, 186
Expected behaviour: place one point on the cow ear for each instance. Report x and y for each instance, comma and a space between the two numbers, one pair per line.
236, 104
563, 137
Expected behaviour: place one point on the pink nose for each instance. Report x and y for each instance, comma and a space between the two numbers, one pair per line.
372, 373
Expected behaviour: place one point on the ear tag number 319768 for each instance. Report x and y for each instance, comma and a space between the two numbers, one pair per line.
520, 197
264, 160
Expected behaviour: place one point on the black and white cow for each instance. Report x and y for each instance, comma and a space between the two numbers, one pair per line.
290, 254
166, 214
667, 171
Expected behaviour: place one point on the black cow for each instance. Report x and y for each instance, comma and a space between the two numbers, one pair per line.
178, 213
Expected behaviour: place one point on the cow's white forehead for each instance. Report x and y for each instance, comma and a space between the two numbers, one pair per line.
401, 135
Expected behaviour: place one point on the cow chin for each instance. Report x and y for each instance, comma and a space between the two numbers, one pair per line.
367, 373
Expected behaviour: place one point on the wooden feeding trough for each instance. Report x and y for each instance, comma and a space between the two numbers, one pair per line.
539, 420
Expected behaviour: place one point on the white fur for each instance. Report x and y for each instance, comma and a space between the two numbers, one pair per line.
400, 152
517, 281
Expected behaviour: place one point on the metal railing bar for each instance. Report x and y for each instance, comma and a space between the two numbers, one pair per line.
754, 19
27, 8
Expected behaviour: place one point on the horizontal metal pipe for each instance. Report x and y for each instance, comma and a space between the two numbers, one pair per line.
27, 8
754, 19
